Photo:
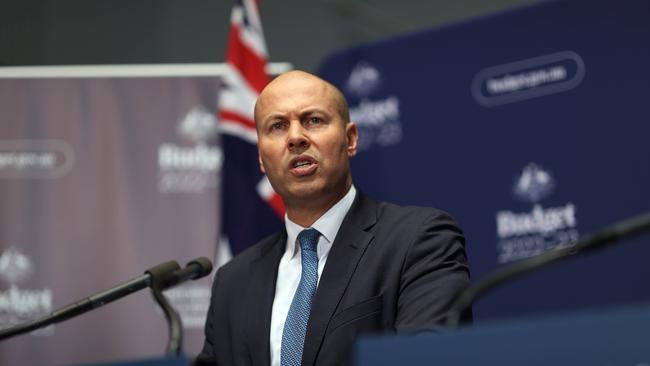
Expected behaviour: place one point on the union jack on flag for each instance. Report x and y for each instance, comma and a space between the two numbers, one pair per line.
251, 209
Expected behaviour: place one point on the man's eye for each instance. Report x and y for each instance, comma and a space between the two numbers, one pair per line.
277, 125
314, 120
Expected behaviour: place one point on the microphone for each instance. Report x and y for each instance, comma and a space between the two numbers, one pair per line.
195, 269
161, 276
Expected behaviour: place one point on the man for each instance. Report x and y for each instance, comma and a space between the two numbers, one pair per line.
345, 265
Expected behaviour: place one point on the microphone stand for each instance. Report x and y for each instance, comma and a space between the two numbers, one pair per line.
152, 275
587, 243
196, 268
174, 345
159, 277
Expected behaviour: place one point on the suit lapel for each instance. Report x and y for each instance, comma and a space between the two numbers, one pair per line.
349, 245
261, 292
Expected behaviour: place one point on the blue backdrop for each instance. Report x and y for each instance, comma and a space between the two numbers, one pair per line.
530, 127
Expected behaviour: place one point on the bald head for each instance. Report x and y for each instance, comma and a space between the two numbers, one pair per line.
293, 82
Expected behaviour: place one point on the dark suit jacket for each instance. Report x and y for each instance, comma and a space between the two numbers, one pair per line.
390, 269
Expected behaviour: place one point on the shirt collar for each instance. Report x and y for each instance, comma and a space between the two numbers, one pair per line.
328, 224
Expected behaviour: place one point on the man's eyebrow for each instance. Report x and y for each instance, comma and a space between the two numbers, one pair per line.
272, 117
311, 111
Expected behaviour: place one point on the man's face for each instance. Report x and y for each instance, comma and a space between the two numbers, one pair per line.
304, 143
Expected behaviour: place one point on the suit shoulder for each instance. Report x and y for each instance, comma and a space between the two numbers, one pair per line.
391, 210
241, 260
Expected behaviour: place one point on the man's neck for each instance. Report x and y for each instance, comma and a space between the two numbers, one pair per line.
306, 213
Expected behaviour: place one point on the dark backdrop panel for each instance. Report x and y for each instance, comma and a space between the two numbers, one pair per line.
535, 119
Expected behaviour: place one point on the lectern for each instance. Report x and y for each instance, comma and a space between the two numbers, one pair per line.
611, 337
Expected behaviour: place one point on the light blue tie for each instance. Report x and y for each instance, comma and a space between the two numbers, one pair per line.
295, 328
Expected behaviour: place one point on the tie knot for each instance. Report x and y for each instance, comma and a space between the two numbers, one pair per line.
308, 239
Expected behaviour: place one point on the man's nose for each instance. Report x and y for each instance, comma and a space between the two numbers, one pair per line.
296, 137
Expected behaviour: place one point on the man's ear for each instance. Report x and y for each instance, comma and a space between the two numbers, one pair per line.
352, 134
259, 158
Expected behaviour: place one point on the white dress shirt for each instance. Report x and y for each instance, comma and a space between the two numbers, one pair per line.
290, 267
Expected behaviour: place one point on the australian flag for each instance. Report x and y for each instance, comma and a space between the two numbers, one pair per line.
251, 209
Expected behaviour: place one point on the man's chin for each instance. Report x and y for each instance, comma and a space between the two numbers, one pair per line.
305, 193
